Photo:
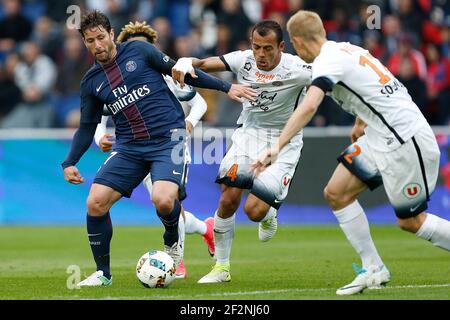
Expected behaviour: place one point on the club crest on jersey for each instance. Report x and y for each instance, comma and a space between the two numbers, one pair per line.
131, 66
286, 180
247, 66
412, 190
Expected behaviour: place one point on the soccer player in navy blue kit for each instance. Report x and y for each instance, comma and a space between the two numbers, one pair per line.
150, 125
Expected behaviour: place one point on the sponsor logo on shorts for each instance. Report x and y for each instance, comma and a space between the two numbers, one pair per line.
414, 208
412, 190
286, 180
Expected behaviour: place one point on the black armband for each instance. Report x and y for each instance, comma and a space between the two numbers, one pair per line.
323, 83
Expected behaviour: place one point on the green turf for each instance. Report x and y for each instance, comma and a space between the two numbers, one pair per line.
301, 262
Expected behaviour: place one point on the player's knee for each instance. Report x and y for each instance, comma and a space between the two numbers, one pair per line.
335, 199
331, 196
253, 212
163, 203
412, 224
97, 205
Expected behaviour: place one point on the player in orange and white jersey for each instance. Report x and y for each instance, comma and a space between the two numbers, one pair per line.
279, 79
392, 145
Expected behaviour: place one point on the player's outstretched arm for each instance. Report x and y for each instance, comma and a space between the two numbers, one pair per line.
298, 120
187, 65
162, 63
183, 73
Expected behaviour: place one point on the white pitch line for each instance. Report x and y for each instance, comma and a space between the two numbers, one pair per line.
240, 293
243, 293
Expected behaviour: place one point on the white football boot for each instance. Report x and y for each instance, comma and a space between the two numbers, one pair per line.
176, 252
95, 280
219, 273
268, 228
373, 277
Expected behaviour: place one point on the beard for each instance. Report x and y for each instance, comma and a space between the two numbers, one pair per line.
105, 56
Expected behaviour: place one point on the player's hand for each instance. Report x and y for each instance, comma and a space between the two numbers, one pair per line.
105, 144
189, 127
72, 175
239, 92
357, 131
265, 159
179, 70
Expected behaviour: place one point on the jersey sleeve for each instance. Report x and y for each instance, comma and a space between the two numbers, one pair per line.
91, 107
101, 130
233, 60
305, 75
198, 108
163, 64
182, 94
327, 71
156, 59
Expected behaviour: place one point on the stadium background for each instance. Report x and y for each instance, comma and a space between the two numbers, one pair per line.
42, 62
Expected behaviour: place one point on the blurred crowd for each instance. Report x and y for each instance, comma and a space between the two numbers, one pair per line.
42, 61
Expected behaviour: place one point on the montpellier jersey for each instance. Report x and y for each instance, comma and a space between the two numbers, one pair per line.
362, 86
278, 90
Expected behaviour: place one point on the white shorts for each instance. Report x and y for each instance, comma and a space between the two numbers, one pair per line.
272, 184
409, 173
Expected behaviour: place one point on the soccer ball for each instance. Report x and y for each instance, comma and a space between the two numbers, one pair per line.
155, 269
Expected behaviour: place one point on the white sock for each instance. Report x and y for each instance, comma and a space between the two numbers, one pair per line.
181, 230
353, 222
193, 224
436, 230
270, 213
223, 237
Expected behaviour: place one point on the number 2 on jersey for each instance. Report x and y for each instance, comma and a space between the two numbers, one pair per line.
369, 61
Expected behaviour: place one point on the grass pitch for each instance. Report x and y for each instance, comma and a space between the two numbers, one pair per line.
301, 262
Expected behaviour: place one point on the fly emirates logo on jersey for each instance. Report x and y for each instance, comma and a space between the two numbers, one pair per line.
126, 98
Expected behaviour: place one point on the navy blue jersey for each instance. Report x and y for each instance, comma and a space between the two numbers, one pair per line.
134, 91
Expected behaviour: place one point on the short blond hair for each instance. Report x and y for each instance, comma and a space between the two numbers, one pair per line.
137, 29
306, 25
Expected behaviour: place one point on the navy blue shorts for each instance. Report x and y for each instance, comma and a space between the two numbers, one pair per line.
128, 164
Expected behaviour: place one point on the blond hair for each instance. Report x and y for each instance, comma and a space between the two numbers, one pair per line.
137, 29
306, 25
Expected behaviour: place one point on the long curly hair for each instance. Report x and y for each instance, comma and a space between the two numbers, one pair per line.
137, 29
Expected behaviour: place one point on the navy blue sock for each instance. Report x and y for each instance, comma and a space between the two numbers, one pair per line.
170, 222
100, 233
